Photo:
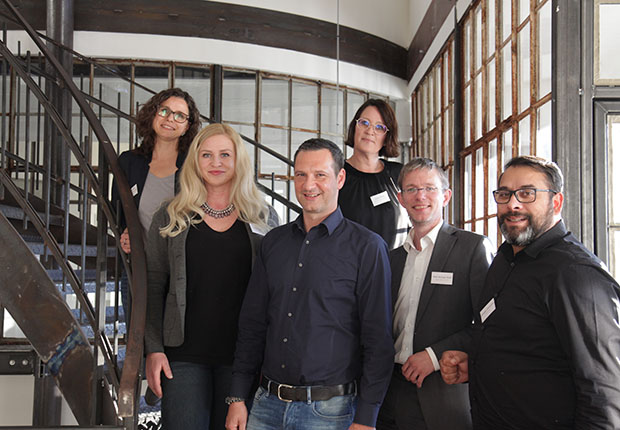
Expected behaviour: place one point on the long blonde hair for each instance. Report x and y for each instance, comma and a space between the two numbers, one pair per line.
184, 209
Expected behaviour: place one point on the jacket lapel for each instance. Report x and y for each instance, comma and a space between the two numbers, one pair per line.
441, 253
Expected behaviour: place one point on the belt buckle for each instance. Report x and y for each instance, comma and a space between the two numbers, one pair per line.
279, 396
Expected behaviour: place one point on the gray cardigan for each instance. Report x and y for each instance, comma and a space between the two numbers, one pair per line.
166, 290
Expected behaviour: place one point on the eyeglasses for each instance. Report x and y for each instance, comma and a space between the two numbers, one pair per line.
413, 190
523, 195
364, 124
178, 116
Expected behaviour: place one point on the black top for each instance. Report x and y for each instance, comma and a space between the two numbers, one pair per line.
318, 310
547, 357
384, 216
136, 168
218, 269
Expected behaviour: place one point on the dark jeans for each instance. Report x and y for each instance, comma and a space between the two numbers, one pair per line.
194, 397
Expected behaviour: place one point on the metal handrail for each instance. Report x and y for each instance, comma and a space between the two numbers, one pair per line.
129, 377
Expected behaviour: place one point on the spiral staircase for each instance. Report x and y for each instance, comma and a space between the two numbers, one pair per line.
59, 240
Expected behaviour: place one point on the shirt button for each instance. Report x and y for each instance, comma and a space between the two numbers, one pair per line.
294, 288
285, 340
290, 314
301, 264
283, 366
307, 242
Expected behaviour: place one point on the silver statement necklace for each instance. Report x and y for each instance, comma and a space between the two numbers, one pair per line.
217, 213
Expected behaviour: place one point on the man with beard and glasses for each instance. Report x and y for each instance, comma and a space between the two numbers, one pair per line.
546, 347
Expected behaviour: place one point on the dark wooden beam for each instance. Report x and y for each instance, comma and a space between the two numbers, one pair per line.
223, 21
434, 18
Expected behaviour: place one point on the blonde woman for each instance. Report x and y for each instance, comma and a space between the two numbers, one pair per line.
200, 250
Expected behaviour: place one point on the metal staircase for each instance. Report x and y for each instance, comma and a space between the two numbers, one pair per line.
59, 252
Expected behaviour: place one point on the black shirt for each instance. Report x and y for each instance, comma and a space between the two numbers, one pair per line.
385, 216
318, 310
547, 357
218, 269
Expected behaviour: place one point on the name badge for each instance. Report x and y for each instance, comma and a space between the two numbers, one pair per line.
134, 190
487, 310
442, 278
379, 199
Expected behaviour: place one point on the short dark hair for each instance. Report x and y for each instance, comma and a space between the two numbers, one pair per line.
555, 179
423, 163
391, 148
144, 120
316, 144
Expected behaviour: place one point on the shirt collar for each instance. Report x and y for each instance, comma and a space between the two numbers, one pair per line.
429, 239
543, 241
332, 221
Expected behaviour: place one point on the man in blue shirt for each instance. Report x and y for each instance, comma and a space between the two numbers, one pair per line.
316, 319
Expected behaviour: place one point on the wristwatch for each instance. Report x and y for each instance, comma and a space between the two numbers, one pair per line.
230, 400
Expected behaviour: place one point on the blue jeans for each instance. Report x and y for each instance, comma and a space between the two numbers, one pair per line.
270, 413
194, 397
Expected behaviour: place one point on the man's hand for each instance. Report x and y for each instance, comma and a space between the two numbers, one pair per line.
356, 426
157, 362
237, 416
417, 367
454, 367
125, 244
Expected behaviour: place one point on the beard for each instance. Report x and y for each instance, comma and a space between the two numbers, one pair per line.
536, 225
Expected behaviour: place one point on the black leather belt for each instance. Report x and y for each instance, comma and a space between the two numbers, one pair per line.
290, 393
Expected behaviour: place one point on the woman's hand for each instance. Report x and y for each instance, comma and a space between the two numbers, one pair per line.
157, 362
125, 244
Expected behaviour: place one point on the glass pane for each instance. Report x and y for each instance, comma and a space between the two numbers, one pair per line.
614, 253
354, 101
480, 197
544, 47
492, 175
332, 107
506, 147
543, 132
524, 68
479, 226
506, 19
247, 130
467, 207
466, 115
154, 78
299, 137
197, 82
524, 10
431, 96
492, 233
277, 140
239, 96
107, 87
524, 136
478, 110
478, 38
450, 136
466, 51
491, 94
506, 82
305, 106
275, 102
490, 27
614, 162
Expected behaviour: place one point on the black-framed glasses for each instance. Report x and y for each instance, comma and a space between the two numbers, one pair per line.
178, 116
363, 123
523, 195
413, 190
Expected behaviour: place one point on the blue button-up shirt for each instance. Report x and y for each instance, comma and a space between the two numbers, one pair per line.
317, 312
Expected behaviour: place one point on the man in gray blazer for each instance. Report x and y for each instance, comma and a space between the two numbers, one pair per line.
437, 276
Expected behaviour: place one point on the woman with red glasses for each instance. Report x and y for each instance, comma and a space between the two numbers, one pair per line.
369, 194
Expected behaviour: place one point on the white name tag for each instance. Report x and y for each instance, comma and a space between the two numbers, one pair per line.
487, 310
442, 278
379, 199
134, 190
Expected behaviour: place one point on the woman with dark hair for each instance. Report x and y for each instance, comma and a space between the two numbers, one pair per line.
167, 124
369, 195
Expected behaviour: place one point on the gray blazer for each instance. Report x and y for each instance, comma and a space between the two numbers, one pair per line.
444, 317
166, 291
